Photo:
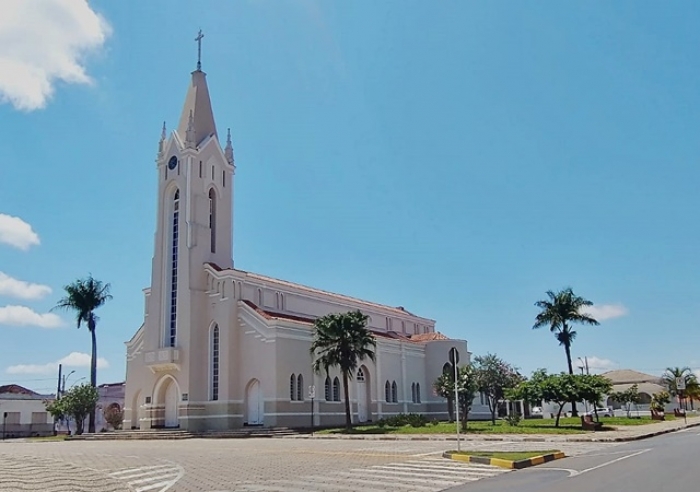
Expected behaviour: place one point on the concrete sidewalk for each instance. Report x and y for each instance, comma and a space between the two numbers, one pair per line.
620, 434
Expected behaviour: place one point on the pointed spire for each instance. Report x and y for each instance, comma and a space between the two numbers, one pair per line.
228, 151
190, 133
199, 50
197, 104
161, 143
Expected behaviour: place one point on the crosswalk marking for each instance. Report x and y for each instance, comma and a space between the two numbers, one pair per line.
416, 475
158, 478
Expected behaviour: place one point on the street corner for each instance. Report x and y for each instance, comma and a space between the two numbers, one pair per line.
502, 462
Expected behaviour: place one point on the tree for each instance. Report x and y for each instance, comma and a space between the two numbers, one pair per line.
494, 376
552, 388
592, 388
659, 401
114, 416
466, 390
78, 402
559, 312
84, 296
670, 377
342, 340
627, 398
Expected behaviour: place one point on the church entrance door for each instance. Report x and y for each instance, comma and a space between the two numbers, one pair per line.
171, 419
362, 402
254, 397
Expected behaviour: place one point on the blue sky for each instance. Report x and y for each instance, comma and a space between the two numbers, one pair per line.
457, 158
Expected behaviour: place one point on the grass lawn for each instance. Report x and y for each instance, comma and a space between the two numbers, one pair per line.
60, 437
568, 425
504, 455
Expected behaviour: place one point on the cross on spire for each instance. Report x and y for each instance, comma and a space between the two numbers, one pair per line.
199, 49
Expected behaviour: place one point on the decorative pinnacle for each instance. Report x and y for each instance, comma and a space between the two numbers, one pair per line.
228, 151
162, 141
199, 50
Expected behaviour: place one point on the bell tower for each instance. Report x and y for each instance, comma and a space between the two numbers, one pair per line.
195, 216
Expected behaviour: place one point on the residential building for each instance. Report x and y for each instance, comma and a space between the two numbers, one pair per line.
23, 412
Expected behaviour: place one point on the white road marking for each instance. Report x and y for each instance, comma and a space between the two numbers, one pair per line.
157, 478
611, 462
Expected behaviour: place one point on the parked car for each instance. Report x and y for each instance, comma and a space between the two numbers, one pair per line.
602, 412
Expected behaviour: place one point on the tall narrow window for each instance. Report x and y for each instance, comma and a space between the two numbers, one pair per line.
413, 392
223, 178
329, 391
200, 169
215, 363
336, 389
212, 219
387, 392
417, 392
172, 333
292, 387
394, 392
300, 387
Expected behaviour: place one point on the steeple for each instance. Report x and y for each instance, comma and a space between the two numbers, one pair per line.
197, 104
161, 143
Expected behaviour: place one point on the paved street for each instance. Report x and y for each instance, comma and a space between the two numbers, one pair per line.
662, 463
248, 465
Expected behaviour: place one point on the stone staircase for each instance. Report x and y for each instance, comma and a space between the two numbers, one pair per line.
173, 434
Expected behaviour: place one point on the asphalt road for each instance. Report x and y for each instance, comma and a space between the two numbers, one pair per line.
667, 462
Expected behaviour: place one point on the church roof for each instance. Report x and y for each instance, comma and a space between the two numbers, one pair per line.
429, 337
629, 376
398, 310
197, 103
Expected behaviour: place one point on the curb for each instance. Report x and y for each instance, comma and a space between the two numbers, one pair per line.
511, 465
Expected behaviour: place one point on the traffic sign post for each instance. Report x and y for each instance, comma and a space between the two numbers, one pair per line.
312, 395
454, 360
680, 387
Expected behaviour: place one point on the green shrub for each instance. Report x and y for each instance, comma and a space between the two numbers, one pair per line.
513, 419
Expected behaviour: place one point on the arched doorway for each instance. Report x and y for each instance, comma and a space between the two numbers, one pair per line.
171, 398
254, 401
362, 394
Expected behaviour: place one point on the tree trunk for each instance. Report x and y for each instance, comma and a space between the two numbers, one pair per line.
450, 408
561, 407
93, 369
567, 348
493, 407
465, 418
348, 419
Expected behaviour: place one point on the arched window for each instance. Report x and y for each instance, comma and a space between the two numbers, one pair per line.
260, 298
215, 363
360, 374
394, 392
292, 387
387, 392
174, 241
336, 389
281, 302
212, 219
413, 392
417, 392
300, 388
447, 368
329, 391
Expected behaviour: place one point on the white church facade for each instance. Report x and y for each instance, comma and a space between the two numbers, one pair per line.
222, 348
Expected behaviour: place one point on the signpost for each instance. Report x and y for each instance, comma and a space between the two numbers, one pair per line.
312, 395
454, 360
680, 386
4, 424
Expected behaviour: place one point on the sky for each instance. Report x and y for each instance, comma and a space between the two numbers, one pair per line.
456, 158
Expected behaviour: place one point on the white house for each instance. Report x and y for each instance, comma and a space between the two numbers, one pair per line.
221, 347
23, 412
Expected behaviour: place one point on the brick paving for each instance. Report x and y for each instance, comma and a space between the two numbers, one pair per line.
247, 465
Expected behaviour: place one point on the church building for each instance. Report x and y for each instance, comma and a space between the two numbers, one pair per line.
222, 348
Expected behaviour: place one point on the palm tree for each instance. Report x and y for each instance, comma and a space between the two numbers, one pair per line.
670, 377
342, 340
559, 312
84, 296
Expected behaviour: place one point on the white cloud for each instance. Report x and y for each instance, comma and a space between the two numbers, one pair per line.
74, 359
42, 42
24, 316
601, 312
599, 364
20, 289
13, 230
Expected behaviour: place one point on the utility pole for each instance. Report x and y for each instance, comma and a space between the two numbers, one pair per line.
58, 390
